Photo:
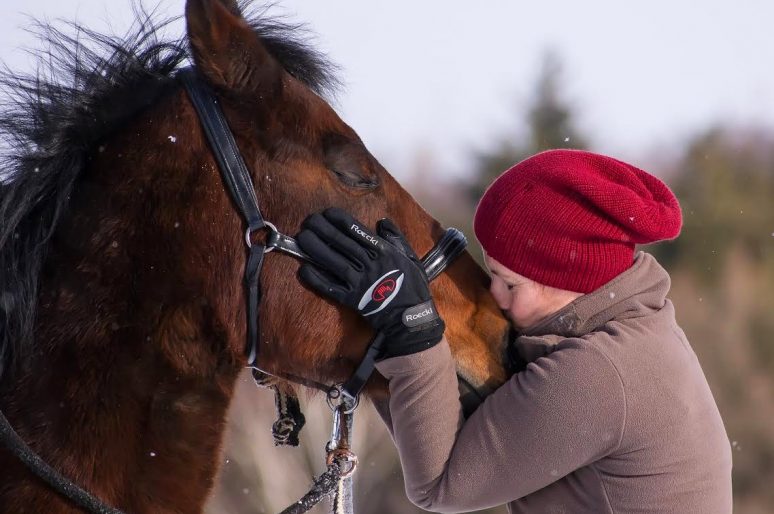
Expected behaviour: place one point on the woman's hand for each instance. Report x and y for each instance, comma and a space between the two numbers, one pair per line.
378, 275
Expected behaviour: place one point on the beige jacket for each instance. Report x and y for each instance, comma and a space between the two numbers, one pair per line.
611, 415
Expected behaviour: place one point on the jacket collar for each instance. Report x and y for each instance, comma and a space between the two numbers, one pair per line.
638, 291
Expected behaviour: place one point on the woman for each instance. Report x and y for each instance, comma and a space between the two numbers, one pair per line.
611, 413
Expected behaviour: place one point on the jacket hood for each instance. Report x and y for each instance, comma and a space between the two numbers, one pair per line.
638, 291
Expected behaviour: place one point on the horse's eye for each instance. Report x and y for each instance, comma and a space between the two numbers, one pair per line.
354, 179
350, 163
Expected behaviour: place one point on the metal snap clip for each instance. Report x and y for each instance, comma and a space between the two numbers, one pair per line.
345, 459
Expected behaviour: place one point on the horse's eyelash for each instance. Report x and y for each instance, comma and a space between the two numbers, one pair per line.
348, 180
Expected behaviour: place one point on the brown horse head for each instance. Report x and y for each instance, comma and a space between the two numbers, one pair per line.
123, 308
305, 158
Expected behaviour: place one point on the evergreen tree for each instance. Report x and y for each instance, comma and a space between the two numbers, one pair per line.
725, 186
550, 125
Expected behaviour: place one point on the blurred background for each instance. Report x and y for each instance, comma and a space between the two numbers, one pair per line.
448, 96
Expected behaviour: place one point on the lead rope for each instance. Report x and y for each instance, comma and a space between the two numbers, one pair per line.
80, 497
336, 481
290, 420
343, 399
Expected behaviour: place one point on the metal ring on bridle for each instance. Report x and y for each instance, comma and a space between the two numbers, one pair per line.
335, 394
249, 232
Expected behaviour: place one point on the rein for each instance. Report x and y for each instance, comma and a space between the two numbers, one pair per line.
342, 398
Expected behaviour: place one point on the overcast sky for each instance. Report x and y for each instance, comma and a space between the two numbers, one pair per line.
451, 76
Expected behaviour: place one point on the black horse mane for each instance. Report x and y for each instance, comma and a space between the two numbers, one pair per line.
87, 85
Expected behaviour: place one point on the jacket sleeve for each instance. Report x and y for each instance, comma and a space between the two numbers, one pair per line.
561, 413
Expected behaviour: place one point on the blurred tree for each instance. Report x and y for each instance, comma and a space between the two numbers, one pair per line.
725, 186
722, 268
549, 123
551, 118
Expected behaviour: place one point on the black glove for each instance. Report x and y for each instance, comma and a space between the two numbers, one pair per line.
377, 275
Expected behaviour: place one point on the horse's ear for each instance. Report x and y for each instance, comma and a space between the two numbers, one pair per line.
226, 50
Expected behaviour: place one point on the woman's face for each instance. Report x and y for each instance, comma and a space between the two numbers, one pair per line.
524, 301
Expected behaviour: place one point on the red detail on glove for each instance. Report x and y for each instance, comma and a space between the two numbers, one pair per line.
383, 290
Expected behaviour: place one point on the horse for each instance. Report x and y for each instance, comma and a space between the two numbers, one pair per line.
122, 307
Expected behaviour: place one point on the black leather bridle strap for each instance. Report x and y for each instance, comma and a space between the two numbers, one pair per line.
253, 287
451, 245
239, 184
223, 145
354, 385
285, 244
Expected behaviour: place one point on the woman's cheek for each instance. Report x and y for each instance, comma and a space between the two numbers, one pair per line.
500, 294
522, 308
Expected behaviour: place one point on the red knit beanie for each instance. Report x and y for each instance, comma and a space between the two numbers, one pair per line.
570, 219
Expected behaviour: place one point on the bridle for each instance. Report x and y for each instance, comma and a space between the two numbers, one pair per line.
342, 398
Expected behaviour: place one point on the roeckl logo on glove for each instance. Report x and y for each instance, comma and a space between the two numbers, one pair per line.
420, 315
362, 233
381, 293
383, 290
413, 317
